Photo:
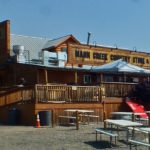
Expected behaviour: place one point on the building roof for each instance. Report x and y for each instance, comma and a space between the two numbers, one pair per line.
56, 42
33, 44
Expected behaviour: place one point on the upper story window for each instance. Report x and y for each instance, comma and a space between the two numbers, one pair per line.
138, 60
64, 49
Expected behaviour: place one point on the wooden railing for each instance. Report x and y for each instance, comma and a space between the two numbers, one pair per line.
117, 89
48, 93
64, 93
15, 95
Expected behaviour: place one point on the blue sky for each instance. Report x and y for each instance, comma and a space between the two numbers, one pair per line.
125, 23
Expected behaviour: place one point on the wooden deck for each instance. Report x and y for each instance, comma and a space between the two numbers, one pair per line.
56, 98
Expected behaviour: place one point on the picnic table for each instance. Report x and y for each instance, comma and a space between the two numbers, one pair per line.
133, 115
79, 112
138, 142
124, 124
146, 129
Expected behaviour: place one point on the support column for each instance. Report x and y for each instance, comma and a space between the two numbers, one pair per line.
125, 77
46, 76
76, 78
37, 76
101, 78
15, 75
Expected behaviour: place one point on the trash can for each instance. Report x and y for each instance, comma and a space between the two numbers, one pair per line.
45, 118
14, 116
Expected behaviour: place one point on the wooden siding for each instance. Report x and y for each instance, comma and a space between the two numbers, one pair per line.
61, 77
27, 114
58, 109
129, 55
113, 105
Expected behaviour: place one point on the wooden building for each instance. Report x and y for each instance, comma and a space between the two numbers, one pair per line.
40, 60
63, 64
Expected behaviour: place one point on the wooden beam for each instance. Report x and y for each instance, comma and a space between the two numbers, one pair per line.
76, 77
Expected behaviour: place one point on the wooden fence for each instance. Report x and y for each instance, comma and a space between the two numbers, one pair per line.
67, 93
47, 93
118, 89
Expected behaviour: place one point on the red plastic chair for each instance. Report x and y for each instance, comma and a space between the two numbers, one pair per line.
137, 108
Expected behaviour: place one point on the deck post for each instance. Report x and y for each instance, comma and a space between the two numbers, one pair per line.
77, 120
104, 114
35, 92
100, 94
53, 119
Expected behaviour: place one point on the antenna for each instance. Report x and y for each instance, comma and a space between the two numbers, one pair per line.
134, 49
116, 46
94, 43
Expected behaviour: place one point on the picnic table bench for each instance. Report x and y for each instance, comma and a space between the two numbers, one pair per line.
90, 116
138, 143
68, 118
106, 132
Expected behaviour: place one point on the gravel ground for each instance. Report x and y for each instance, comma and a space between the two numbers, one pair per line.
58, 138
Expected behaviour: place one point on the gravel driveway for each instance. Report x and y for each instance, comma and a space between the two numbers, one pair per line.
58, 138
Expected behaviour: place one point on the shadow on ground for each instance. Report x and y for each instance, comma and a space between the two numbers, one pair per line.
100, 144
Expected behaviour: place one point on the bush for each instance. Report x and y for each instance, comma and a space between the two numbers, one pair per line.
141, 92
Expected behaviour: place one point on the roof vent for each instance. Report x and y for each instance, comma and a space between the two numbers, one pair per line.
18, 49
19, 53
88, 38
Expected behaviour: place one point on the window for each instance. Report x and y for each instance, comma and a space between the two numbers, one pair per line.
108, 78
64, 49
87, 79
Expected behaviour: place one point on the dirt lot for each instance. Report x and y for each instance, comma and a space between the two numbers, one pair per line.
58, 138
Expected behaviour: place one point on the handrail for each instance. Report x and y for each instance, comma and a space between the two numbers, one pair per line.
67, 93
41, 93
73, 93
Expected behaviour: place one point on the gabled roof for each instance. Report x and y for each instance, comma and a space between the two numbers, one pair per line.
33, 44
56, 42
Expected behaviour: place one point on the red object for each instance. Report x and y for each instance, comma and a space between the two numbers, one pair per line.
38, 125
137, 108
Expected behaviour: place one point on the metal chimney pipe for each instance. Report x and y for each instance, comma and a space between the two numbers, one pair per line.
88, 38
